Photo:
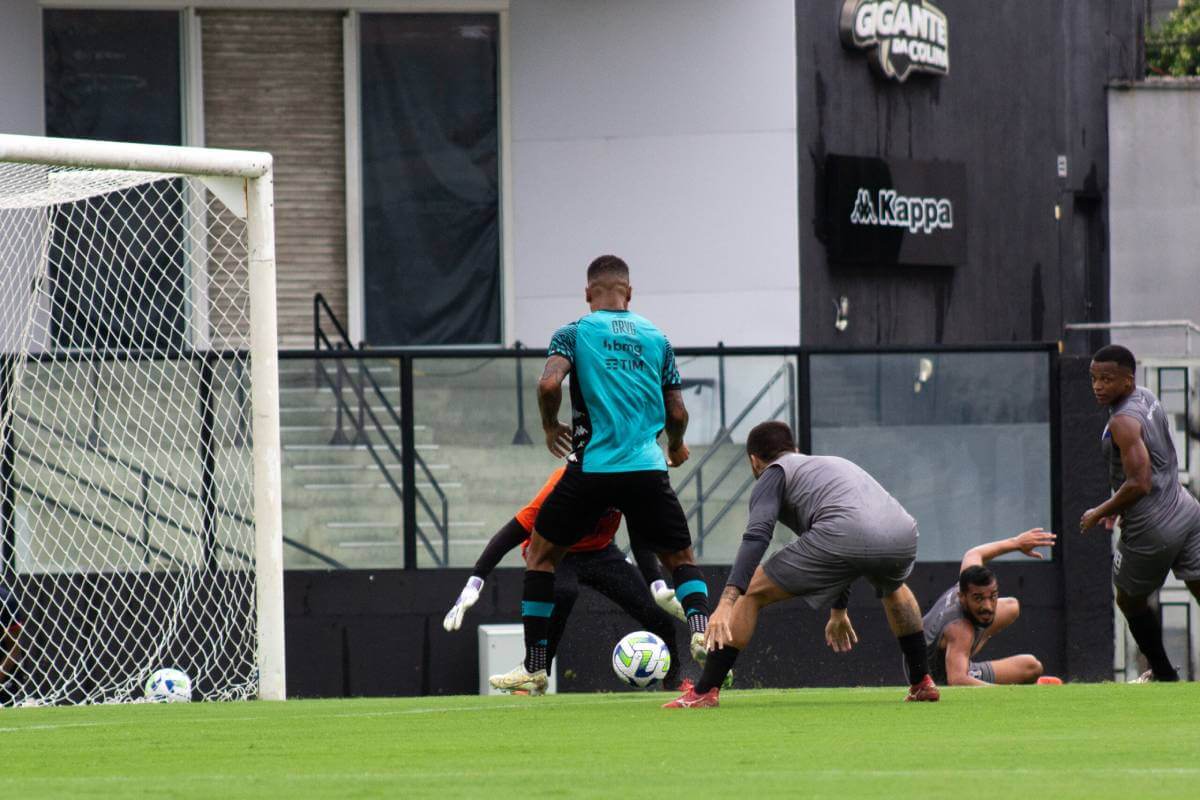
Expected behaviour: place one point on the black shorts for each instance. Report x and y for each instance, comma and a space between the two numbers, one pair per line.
652, 511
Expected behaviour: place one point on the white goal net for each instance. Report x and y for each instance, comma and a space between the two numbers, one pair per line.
127, 435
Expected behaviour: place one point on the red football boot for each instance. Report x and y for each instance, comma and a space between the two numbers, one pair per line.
690, 699
924, 692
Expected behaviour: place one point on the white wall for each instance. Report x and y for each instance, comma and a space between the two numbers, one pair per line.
1154, 209
663, 132
21, 67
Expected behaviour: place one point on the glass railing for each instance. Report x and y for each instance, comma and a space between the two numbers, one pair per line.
961, 438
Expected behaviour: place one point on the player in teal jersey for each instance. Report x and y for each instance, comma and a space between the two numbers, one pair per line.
625, 390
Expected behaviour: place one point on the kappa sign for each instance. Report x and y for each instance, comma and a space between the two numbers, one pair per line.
883, 212
918, 214
907, 35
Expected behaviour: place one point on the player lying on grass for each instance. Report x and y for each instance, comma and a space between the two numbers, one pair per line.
1160, 521
593, 561
847, 526
972, 611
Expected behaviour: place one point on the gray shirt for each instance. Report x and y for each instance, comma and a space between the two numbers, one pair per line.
822, 496
948, 609
1168, 505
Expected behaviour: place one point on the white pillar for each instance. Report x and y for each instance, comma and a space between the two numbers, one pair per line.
264, 387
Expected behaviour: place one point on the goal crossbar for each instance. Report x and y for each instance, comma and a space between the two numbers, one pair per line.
197, 161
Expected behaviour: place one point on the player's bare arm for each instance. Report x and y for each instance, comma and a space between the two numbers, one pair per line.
958, 638
1026, 543
558, 434
676, 426
1126, 434
765, 503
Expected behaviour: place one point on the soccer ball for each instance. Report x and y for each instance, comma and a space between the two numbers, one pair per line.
641, 659
169, 686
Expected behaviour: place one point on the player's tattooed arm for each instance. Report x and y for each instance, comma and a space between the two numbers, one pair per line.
1135, 460
730, 594
558, 434
675, 426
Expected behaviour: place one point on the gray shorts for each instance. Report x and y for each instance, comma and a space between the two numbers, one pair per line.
979, 670
1142, 560
808, 568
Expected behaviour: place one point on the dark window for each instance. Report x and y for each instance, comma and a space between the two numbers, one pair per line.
116, 266
430, 150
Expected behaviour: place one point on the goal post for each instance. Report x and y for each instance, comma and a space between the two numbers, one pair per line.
140, 485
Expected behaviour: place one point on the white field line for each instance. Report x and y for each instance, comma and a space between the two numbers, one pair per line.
1081, 773
523, 706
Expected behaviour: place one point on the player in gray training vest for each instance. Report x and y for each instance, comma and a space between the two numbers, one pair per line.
847, 526
1160, 521
972, 611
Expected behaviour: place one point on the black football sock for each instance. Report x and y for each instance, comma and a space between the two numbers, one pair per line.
1147, 632
913, 645
692, 593
537, 603
716, 667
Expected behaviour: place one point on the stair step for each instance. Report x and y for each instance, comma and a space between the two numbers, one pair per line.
368, 466
356, 447
392, 525
328, 487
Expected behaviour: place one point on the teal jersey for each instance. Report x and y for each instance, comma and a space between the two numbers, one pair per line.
620, 366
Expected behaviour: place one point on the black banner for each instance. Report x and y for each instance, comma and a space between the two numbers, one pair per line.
895, 212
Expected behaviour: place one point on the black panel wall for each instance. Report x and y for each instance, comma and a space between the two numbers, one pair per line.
1026, 85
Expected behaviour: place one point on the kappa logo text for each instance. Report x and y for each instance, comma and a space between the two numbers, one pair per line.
918, 214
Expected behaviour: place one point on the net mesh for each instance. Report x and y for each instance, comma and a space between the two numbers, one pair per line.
125, 465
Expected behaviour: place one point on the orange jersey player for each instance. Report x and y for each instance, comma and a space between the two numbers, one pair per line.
594, 561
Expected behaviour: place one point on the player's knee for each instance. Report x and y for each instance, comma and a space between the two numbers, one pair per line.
1033, 668
1012, 605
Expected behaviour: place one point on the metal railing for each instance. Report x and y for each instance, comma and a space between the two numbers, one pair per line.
93, 445
725, 436
710, 490
406, 453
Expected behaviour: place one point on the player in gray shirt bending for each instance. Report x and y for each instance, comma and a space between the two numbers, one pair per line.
972, 611
1160, 521
847, 527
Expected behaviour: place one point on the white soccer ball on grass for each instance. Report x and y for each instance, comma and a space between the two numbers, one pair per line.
641, 659
169, 686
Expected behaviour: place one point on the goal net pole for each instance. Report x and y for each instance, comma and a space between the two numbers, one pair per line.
264, 386
243, 181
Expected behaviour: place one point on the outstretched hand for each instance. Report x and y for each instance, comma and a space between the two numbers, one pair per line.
1034, 538
719, 632
466, 598
839, 633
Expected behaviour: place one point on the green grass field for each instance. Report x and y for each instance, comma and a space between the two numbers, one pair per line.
1067, 741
